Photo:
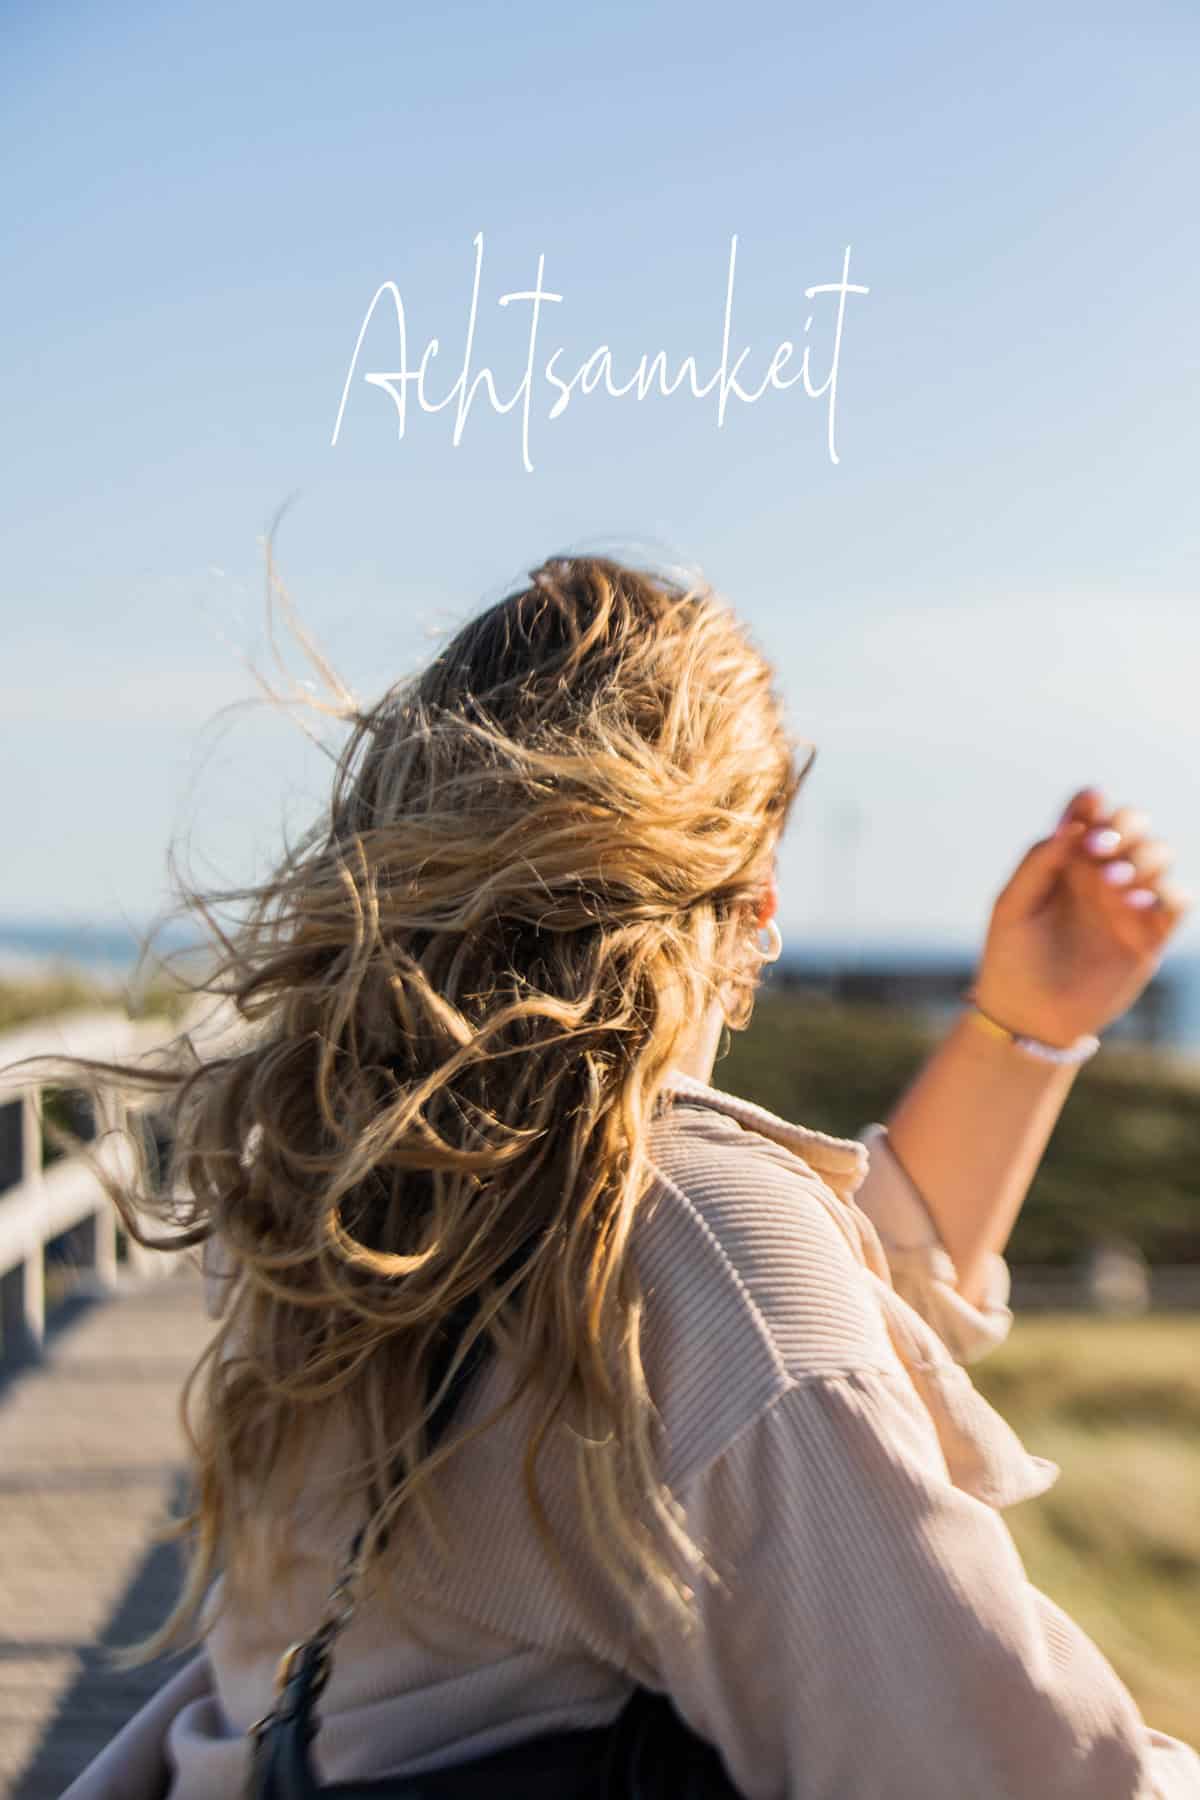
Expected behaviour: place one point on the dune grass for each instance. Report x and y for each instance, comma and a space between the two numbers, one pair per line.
1116, 1541
67, 989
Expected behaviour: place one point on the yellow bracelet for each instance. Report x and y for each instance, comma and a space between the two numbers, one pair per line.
1067, 1055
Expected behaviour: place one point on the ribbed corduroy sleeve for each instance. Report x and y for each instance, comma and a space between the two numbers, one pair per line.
878, 1638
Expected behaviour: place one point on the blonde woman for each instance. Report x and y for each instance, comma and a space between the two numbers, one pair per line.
722, 1447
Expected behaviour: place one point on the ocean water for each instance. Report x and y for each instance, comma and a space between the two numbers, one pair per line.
30, 947
108, 951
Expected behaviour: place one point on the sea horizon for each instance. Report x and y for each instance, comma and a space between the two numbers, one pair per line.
109, 950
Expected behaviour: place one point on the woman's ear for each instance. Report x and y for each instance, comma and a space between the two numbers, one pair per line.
769, 905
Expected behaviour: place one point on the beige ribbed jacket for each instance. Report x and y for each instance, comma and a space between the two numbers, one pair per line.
876, 1637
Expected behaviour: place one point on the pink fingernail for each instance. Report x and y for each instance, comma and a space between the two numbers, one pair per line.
1102, 840
1140, 897
1118, 873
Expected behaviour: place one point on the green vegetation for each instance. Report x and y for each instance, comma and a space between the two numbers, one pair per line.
67, 990
1116, 1541
1124, 1159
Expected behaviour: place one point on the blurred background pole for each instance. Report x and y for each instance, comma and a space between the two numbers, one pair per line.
844, 829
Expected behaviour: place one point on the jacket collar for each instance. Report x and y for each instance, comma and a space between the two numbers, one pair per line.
842, 1162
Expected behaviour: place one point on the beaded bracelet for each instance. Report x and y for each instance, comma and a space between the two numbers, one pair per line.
1066, 1055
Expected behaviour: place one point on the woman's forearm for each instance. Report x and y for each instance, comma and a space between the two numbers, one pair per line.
970, 1132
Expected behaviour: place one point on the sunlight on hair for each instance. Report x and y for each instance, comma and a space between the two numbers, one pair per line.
459, 997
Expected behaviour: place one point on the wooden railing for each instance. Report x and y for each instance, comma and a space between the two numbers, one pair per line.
1055, 1289
63, 1203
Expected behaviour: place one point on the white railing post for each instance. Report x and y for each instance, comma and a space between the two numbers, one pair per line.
23, 1283
102, 1231
67, 1202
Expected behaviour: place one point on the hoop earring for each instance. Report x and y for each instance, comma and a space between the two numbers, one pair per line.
774, 949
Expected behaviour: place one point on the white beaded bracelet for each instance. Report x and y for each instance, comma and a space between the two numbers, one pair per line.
1067, 1055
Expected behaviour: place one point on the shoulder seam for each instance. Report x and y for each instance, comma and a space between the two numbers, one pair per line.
795, 1384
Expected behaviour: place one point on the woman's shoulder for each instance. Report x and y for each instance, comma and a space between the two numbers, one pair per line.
749, 1260
758, 1182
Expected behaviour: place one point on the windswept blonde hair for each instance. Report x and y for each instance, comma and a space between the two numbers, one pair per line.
463, 992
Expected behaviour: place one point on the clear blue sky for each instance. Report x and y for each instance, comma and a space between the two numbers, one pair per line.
992, 597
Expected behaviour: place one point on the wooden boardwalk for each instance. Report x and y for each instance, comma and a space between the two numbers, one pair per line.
90, 1455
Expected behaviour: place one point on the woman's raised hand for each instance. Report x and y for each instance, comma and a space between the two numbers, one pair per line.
1082, 925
